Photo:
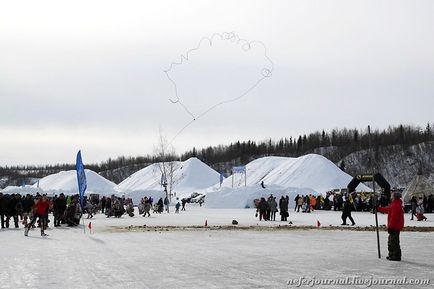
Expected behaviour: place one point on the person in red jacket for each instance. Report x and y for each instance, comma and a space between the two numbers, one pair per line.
395, 223
39, 211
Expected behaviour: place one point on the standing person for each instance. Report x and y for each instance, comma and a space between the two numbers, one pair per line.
160, 204
15, 208
102, 205
183, 201
262, 208
346, 212
269, 200
273, 209
166, 204
395, 223
108, 207
177, 206
147, 207
296, 202
299, 203
413, 203
27, 208
3, 209
39, 210
283, 206
59, 208
340, 201
307, 202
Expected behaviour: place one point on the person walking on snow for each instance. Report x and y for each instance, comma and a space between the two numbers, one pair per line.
346, 212
413, 203
395, 223
177, 206
166, 204
39, 209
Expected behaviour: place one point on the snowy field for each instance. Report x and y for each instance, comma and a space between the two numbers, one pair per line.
203, 258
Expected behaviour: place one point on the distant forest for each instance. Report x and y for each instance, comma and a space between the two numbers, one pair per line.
344, 140
347, 140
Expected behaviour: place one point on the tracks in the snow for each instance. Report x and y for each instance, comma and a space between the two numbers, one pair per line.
146, 228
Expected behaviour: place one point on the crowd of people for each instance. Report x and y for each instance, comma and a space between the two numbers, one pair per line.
27, 210
30, 211
266, 209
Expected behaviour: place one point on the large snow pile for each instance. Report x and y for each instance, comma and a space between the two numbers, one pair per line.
187, 177
24, 190
66, 182
311, 171
309, 174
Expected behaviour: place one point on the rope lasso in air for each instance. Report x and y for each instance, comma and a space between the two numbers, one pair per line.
245, 45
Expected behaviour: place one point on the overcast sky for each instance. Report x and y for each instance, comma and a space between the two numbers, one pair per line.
90, 75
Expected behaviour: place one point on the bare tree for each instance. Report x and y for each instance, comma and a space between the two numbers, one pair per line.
165, 154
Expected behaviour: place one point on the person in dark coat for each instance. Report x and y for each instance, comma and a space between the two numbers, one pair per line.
3, 208
296, 202
108, 207
413, 203
283, 206
103, 204
160, 205
346, 212
15, 208
59, 208
28, 203
183, 201
166, 204
395, 223
262, 208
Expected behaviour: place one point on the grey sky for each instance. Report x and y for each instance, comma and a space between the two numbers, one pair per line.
89, 74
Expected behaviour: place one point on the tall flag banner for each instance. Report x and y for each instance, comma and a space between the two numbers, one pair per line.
81, 177
221, 178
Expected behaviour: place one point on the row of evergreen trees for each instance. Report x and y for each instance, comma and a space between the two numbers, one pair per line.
345, 140
240, 152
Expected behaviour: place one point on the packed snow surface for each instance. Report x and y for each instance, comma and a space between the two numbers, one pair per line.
187, 177
205, 258
66, 182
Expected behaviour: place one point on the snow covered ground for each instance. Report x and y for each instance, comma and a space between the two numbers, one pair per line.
205, 258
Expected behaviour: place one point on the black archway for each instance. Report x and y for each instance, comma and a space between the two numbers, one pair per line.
379, 179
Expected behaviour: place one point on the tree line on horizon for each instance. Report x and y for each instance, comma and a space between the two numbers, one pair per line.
345, 141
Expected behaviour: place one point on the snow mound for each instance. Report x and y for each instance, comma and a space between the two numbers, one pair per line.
188, 176
24, 190
311, 171
66, 182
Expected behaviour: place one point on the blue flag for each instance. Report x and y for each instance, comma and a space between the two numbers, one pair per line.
81, 177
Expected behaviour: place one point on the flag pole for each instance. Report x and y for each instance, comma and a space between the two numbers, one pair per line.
84, 226
82, 184
375, 195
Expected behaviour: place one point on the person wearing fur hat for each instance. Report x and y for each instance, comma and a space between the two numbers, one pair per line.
395, 223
